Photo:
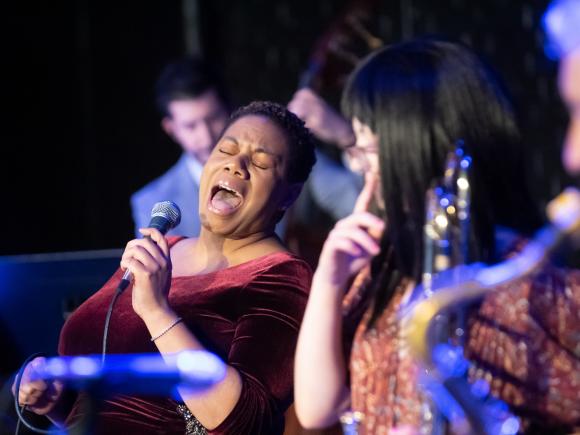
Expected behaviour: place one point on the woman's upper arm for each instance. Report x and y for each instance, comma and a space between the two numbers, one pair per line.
270, 311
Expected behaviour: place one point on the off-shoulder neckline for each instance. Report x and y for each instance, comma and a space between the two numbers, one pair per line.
259, 259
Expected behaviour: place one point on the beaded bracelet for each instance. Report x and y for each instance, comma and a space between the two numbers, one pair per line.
175, 322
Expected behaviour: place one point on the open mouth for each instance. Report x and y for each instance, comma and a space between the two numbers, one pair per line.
224, 199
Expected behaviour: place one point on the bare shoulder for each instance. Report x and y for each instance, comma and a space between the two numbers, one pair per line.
182, 251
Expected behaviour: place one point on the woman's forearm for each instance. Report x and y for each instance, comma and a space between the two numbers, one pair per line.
319, 372
212, 407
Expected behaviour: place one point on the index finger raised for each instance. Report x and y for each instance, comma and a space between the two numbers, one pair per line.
366, 195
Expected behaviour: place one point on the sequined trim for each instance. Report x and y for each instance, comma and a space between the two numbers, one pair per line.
192, 424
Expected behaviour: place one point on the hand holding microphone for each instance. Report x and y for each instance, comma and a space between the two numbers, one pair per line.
164, 216
149, 255
147, 261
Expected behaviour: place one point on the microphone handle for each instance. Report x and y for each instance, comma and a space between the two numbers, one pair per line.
125, 281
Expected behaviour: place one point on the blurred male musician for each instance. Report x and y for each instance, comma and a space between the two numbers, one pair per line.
194, 111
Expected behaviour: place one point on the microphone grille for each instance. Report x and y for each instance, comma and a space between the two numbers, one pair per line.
168, 210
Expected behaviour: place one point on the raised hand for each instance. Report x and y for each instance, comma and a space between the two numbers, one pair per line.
353, 242
324, 122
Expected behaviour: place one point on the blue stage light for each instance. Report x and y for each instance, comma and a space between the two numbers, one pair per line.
561, 23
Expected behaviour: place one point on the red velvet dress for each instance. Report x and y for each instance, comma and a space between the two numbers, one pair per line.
247, 314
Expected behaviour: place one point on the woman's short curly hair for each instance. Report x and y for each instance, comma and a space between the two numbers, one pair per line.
300, 140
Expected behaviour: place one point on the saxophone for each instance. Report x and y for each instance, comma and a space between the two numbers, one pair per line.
446, 246
469, 408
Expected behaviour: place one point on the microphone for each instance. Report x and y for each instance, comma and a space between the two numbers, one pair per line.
164, 216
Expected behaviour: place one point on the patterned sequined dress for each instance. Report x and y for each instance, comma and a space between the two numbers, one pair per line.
524, 340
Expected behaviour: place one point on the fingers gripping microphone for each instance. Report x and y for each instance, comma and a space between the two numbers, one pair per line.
164, 216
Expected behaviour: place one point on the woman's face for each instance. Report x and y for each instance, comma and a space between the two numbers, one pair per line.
243, 184
363, 157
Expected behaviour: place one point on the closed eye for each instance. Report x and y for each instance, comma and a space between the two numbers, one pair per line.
263, 161
228, 146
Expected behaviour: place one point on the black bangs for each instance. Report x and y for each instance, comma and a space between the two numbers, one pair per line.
357, 97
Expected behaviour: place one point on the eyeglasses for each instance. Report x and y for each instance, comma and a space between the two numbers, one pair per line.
358, 158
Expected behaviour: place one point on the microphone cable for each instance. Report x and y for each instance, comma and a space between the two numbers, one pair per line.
165, 215
118, 292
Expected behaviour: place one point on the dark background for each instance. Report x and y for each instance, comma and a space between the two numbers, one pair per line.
80, 132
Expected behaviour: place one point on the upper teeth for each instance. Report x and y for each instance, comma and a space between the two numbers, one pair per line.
225, 186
